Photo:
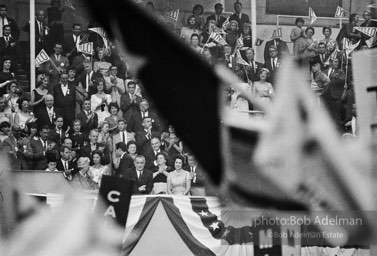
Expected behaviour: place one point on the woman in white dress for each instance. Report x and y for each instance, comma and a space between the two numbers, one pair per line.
24, 116
96, 171
100, 101
179, 180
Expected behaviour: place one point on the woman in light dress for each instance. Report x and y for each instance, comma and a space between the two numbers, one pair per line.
179, 180
24, 116
100, 101
263, 90
96, 171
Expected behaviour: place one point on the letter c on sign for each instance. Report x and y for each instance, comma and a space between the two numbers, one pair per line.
112, 196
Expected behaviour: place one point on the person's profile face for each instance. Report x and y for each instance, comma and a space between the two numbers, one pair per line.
66, 154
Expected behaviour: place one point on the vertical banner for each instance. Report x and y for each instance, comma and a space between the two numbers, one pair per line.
116, 196
365, 77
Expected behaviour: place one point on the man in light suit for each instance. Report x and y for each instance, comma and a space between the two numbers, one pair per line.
217, 16
65, 99
58, 66
238, 16
198, 180
114, 85
121, 136
48, 114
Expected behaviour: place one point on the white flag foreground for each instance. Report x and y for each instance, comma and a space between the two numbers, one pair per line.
86, 48
302, 154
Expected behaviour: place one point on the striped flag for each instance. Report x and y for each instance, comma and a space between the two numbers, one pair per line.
312, 15
225, 24
86, 48
41, 58
240, 60
100, 31
217, 38
68, 4
369, 31
217, 30
240, 41
340, 12
173, 14
349, 47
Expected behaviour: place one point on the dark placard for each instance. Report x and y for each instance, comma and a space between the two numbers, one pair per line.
116, 196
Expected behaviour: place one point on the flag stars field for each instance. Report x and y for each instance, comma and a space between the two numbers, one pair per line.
203, 213
215, 225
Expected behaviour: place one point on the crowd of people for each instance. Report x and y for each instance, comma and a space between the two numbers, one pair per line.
88, 118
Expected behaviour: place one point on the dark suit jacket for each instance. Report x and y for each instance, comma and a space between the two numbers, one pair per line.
87, 125
220, 21
200, 178
143, 143
70, 47
134, 122
55, 137
7, 49
86, 151
273, 72
44, 119
17, 160
39, 159
65, 104
14, 28
281, 45
39, 41
126, 163
244, 19
92, 89
146, 179
60, 167
251, 74
128, 107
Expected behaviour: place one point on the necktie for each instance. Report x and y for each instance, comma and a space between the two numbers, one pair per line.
124, 137
140, 173
65, 166
273, 64
40, 32
44, 145
192, 169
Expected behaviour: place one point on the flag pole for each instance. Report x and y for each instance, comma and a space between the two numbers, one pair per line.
54, 65
32, 44
253, 7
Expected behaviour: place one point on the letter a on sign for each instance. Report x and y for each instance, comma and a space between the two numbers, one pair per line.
114, 198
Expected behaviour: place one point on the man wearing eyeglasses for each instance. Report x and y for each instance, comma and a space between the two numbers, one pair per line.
114, 85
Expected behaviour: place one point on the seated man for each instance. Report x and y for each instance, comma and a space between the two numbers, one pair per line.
143, 178
86, 151
198, 181
151, 150
320, 79
64, 164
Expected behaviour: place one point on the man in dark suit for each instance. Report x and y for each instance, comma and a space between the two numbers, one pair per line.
40, 147
57, 135
8, 45
56, 66
86, 150
144, 137
129, 101
198, 180
48, 114
88, 118
125, 163
150, 151
71, 42
4, 20
88, 79
40, 31
65, 99
135, 121
217, 16
280, 45
64, 164
251, 71
272, 64
238, 16
142, 178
